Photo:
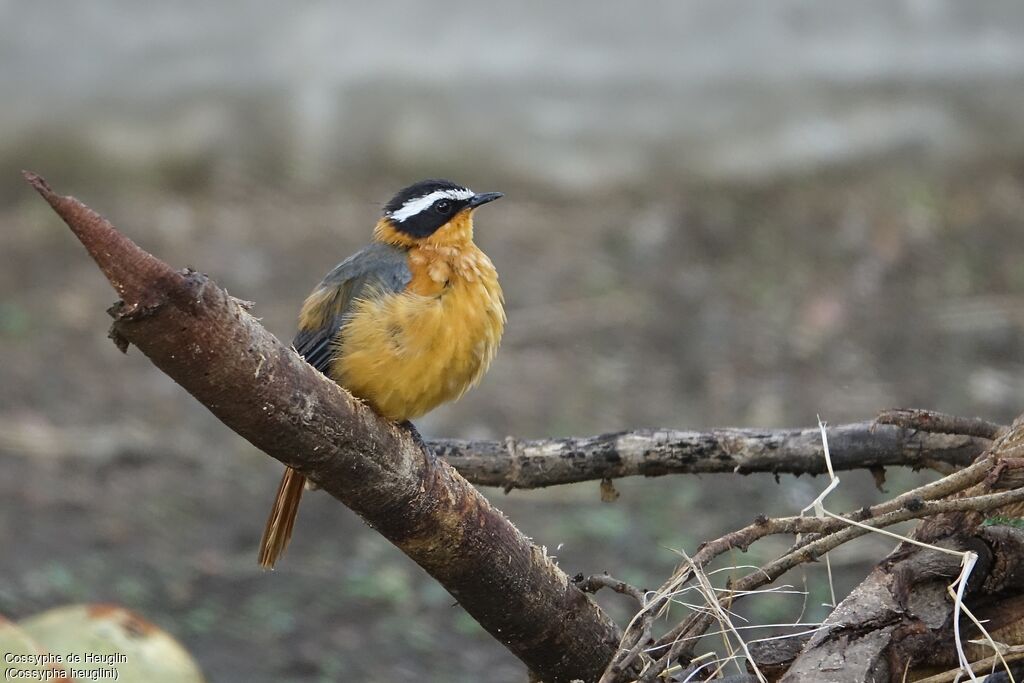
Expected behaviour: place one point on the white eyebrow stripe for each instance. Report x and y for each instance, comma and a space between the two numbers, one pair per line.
414, 206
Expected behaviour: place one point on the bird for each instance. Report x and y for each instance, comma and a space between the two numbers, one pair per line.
411, 321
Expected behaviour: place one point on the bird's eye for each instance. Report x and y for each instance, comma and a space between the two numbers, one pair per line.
443, 206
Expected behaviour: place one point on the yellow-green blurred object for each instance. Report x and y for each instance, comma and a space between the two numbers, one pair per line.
14, 641
90, 637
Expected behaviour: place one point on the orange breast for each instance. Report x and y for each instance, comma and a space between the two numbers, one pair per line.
407, 353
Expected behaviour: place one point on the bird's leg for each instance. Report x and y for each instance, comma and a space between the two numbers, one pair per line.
415, 434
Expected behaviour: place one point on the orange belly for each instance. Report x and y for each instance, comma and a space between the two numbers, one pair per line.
406, 354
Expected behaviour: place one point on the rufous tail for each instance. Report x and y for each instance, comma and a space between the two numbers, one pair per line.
282, 518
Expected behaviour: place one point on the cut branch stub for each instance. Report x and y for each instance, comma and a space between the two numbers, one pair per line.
140, 279
265, 392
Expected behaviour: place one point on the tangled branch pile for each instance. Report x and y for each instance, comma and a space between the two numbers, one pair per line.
899, 621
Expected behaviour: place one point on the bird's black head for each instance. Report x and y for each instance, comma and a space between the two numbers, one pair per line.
424, 207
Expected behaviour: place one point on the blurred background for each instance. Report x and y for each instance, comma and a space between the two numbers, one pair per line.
717, 213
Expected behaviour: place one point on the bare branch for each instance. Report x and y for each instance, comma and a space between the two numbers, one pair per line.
595, 582
530, 464
940, 423
200, 337
643, 620
548, 462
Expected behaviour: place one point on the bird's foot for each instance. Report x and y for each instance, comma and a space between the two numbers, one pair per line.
415, 434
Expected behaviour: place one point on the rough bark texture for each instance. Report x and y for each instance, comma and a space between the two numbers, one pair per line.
199, 336
531, 464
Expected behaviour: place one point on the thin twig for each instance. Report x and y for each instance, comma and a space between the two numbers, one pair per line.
1012, 653
595, 582
622, 658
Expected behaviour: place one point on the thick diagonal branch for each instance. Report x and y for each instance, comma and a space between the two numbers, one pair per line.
198, 335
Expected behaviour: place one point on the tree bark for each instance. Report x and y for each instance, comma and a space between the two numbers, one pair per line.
200, 337
515, 464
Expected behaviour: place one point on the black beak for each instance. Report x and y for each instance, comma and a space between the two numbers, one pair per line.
481, 199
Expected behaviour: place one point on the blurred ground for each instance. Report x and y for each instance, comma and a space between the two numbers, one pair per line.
809, 214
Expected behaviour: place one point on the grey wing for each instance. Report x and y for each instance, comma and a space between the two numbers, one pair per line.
378, 269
